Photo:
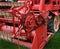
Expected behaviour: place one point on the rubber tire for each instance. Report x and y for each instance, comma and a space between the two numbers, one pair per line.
50, 25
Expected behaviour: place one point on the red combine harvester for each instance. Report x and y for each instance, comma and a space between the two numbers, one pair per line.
32, 23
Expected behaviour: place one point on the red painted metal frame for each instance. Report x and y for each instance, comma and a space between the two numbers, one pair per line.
40, 36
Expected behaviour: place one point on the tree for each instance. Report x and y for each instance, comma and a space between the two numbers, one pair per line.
15, 0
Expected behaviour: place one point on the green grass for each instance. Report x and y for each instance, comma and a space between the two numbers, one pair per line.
54, 43
8, 45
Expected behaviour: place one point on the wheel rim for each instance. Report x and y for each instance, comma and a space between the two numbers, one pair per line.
56, 24
29, 19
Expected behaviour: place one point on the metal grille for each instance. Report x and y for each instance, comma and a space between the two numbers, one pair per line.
12, 4
5, 36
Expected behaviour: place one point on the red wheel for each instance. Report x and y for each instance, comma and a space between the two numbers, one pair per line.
30, 21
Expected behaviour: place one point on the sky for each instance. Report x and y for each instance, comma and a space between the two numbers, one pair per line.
10, 0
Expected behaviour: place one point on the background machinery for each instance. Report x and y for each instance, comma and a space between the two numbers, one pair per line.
30, 22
